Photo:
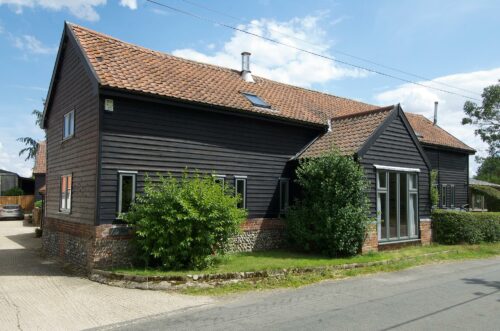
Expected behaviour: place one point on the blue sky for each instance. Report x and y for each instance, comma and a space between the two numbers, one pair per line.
450, 42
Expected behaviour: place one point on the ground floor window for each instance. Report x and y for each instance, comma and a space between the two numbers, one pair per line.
240, 186
66, 186
397, 205
447, 196
126, 190
284, 194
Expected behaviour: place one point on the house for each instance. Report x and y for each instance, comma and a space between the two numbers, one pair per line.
484, 196
116, 112
40, 169
449, 157
10, 180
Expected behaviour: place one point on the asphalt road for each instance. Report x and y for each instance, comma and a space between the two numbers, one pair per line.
455, 296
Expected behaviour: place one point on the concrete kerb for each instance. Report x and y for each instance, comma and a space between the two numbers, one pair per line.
174, 283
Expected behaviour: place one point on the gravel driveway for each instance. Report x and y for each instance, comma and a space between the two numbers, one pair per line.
35, 294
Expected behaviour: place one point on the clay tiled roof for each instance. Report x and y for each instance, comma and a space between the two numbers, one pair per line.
431, 134
125, 66
348, 133
41, 159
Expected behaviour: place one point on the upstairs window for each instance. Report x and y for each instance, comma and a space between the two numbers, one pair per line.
69, 125
126, 190
256, 100
219, 179
65, 198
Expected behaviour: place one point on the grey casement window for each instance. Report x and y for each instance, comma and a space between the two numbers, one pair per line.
65, 197
69, 125
444, 195
452, 196
126, 190
240, 187
284, 194
397, 205
220, 179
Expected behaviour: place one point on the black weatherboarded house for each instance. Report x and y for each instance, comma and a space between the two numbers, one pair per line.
116, 112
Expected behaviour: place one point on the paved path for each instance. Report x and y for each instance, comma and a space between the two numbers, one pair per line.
36, 295
455, 296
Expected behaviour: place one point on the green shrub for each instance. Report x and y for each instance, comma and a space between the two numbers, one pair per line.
182, 223
455, 227
15, 191
332, 216
434, 188
38, 204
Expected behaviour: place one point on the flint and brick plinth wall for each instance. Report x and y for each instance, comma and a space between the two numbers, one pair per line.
259, 235
88, 246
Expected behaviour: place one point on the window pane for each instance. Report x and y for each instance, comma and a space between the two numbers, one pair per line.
443, 196
403, 205
240, 190
283, 195
382, 179
220, 181
413, 213
63, 192
452, 195
71, 123
127, 192
381, 203
393, 205
413, 181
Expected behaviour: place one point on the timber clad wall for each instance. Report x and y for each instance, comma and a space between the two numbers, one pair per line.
77, 155
394, 147
452, 167
152, 138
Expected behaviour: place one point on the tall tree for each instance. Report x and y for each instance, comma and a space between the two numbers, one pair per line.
490, 169
30, 143
486, 117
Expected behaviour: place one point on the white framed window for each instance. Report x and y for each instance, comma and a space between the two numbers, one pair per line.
65, 197
240, 187
69, 125
220, 179
126, 190
284, 194
397, 205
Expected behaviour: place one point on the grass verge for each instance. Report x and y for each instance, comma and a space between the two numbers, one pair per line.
275, 260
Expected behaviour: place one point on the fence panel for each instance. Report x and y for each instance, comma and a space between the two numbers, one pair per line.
27, 202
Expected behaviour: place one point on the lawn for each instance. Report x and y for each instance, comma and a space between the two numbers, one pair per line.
280, 259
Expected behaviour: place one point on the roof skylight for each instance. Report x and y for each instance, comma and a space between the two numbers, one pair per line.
256, 100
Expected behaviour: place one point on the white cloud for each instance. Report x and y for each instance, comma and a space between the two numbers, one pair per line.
10, 161
132, 4
83, 9
32, 45
421, 100
275, 61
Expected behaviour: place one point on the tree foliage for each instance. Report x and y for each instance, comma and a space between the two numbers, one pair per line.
31, 144
332, 216
181, 223
15, 191
489, 170
486, 117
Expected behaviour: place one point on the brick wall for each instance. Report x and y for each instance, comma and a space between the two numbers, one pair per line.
371, 240
425, 231
258, 235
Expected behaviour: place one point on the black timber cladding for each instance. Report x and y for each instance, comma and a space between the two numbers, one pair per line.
155, 138
453, 169
394, 146
72, 90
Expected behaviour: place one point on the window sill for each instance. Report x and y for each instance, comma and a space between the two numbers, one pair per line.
67, 138
389, 242
65, 212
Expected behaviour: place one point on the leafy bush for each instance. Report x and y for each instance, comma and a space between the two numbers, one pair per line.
455, 227
15, 191
181, 223
491, 196
38, 204
434, 188
332, 216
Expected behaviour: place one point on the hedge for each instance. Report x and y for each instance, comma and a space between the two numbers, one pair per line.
455, 227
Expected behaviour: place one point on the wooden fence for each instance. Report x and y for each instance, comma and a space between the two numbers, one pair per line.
27, 202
